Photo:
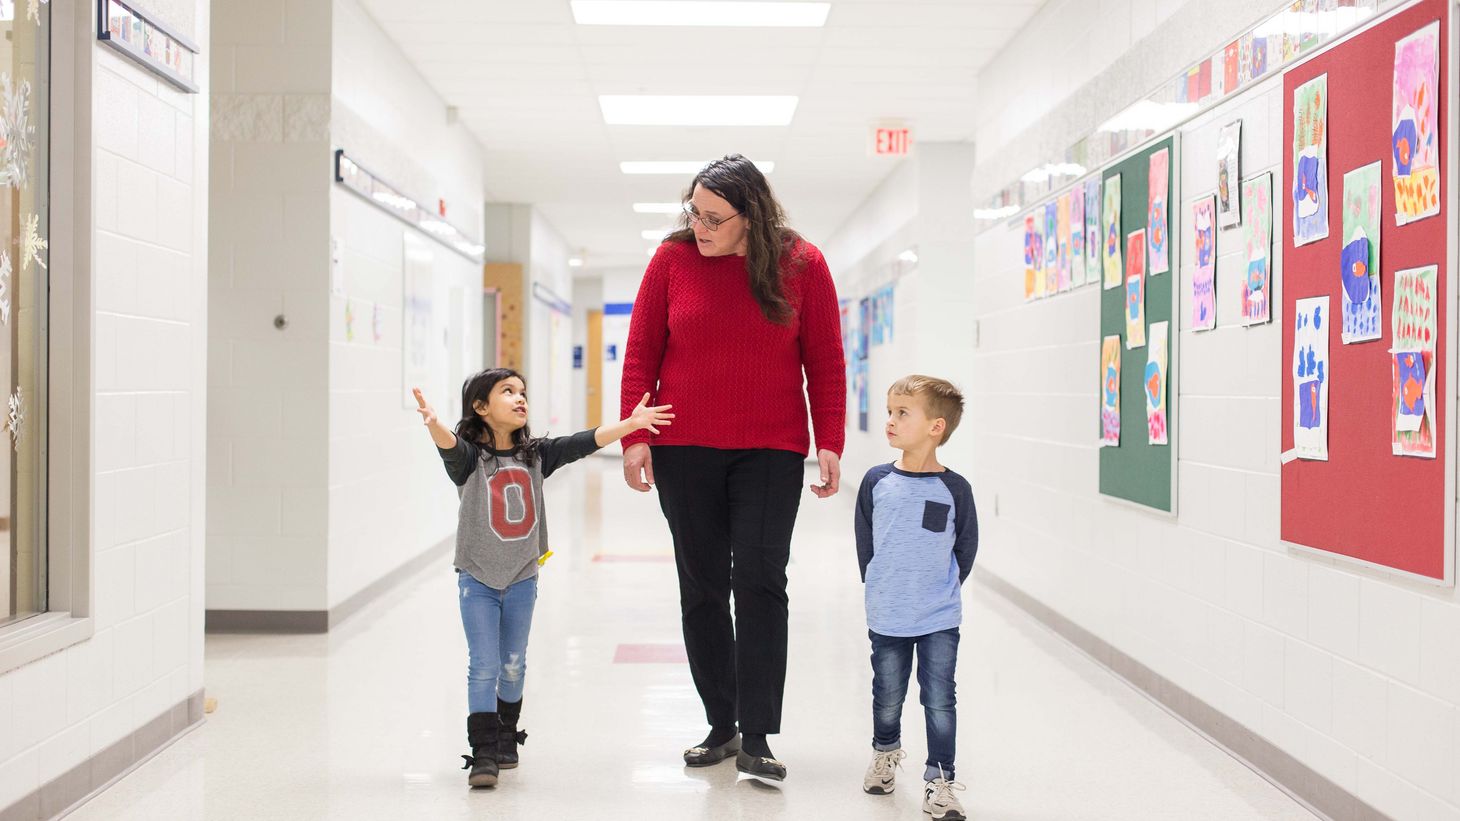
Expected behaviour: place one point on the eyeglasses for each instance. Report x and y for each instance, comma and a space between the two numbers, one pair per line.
710, 223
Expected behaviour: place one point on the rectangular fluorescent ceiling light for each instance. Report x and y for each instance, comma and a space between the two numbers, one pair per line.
726, 110
657, 207
675, 13
681, 167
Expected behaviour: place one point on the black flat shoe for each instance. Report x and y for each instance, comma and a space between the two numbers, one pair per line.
760, 767
708, 756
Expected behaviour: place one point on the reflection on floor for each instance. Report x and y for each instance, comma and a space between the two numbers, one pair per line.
368, 722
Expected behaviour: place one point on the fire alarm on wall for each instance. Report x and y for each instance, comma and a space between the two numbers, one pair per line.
441, 206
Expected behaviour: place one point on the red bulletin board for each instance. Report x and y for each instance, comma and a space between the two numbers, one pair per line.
1365, 503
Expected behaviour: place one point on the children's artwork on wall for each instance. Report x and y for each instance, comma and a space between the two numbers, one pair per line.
1051, 250
1110, 231
1031, 253
1077, 236
1231, 67
1110, 391
1359, 259
1414, 333
1062, 234
1257, 241
1259, 57
1035, 221
1310, 378
1229, 174
1244, 60
349, 321
864, 334
1158, 242
1416, 125
1157, 356
1092, 231
1135, 290
1410, 384
1310, 161
1204, 277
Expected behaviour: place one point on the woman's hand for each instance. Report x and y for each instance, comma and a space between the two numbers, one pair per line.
647, 418
639, 468
831, 474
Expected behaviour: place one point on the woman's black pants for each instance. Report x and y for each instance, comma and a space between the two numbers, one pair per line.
732, 513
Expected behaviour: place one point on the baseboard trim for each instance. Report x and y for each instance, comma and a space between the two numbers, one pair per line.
1298, 780
322, 621
80, 783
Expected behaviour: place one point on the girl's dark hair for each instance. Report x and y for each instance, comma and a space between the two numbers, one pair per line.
741, 184
473, 428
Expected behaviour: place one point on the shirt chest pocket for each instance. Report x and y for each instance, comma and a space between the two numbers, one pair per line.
935, 516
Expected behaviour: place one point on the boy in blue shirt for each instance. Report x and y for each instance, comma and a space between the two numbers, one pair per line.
917, 533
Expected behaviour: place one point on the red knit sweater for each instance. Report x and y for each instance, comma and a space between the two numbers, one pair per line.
698, 341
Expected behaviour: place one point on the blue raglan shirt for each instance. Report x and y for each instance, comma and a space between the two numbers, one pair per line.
917, 534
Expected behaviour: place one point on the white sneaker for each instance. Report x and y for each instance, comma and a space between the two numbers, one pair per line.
881, 776
939, 800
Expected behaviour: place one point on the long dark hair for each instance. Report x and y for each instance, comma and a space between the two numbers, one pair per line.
473, 428
741, 184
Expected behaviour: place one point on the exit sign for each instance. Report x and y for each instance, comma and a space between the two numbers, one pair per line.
891, 141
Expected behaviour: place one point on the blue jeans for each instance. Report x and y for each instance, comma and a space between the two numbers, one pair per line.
892, 658
496, 623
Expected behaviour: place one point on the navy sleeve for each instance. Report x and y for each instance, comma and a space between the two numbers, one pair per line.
864, 517
965, 523
460, 460
566, 450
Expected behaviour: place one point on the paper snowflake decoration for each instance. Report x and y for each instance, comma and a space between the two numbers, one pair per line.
34, 12
32, 245
4, 287
16, 131
15, 419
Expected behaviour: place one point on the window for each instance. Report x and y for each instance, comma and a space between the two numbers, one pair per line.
24, 286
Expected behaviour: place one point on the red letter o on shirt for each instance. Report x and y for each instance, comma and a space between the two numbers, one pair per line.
511, 505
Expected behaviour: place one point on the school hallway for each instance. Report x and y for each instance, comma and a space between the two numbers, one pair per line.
367, 722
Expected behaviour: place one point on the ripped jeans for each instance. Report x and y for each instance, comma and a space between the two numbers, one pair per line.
496, 623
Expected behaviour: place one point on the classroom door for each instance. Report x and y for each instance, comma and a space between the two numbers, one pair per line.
593, 359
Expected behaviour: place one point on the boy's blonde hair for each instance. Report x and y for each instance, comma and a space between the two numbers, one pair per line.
940, 398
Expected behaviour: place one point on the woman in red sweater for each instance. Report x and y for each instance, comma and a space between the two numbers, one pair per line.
734, 308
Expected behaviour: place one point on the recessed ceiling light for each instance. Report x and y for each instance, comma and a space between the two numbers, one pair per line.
674, 13
721, 110
678, 167
575, 262
657, 207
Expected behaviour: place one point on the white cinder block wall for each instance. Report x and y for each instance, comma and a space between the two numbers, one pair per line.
550, 332
922, 206
268, 254
149, 166
389, 500
1355, 674
324, 480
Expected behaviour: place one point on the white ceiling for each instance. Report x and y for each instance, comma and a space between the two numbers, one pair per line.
526, 79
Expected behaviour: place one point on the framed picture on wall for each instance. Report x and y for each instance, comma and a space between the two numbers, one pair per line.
141, 38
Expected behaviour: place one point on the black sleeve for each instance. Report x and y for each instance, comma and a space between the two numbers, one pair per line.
864, 519
565, 450
460, 460
965, 523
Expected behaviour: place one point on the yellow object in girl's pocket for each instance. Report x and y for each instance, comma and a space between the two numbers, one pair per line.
542, 560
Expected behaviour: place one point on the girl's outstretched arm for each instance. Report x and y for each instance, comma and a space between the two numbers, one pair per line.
643, 417
440, 434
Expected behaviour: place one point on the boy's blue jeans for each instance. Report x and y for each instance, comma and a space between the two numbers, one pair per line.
892, 658
496, 623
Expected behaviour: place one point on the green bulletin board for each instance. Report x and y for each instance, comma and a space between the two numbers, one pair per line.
1137, 471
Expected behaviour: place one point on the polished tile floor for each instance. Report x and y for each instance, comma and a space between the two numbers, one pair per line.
368, 722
